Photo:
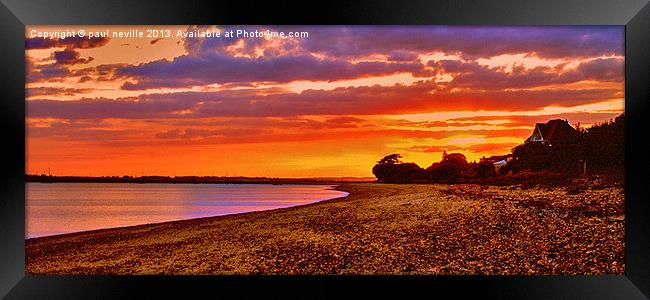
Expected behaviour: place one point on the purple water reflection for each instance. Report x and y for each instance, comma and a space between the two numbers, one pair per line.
72, 207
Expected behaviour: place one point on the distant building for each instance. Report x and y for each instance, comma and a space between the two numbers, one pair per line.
497, 161
497, 158
556, 131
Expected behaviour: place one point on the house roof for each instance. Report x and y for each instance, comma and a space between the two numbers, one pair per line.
496, 158
557, 130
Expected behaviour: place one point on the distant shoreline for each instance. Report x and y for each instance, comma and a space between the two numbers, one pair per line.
194, 179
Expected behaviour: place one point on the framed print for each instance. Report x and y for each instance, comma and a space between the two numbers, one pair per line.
392, 148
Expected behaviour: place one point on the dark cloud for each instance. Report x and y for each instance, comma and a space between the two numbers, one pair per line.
399, 55
70, 42
213, 68
424, 96
326, 54
85, 78
51, 73
602, 69
83, 130
476, 76
470, 42
525, 120
198, 46
50, 91
474, 86
209, 62
60, 71
70, 57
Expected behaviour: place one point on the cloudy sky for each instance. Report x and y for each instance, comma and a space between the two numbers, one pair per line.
330, 104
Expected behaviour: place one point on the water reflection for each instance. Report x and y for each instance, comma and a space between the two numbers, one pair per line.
71, 207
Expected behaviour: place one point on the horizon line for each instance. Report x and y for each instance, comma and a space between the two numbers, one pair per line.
180, 176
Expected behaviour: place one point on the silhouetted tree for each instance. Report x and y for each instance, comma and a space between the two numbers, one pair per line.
560, 157
449, 169
529, 156
604, 146
485, 169
391, 169
391, 159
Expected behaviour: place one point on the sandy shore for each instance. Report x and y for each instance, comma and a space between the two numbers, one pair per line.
377, 229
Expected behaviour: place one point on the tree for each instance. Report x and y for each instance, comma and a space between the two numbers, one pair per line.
562, 157
485, 169
604, 146
449, 169
455, 159
391, 169
530, 156
390, 159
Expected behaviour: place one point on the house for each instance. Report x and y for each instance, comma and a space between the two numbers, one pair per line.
556, 131
497, 160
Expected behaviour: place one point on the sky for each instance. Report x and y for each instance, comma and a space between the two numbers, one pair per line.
327, 104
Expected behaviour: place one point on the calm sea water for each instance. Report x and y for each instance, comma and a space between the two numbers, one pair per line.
71, 207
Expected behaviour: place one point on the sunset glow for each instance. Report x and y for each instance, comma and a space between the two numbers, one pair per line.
327, 105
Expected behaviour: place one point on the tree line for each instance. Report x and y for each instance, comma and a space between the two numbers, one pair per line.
599, 149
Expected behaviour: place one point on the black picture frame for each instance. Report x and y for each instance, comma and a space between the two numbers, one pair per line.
634, 14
